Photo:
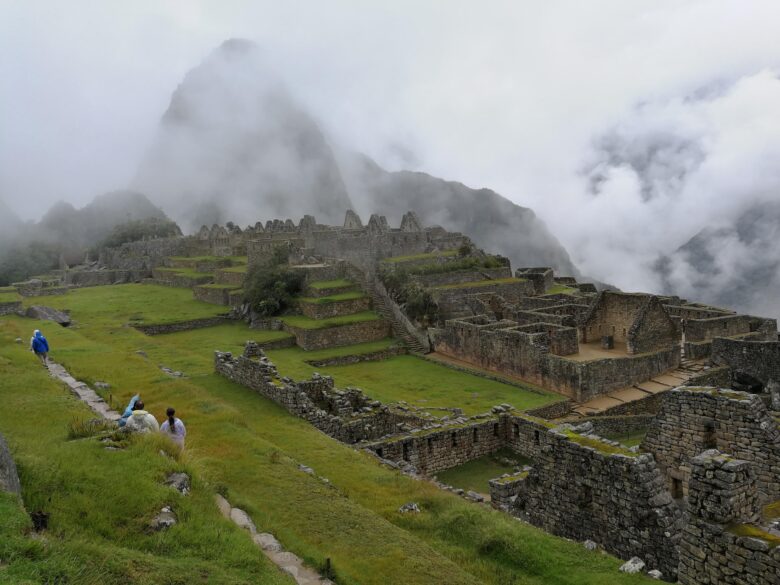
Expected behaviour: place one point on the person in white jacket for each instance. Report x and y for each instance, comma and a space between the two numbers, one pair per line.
174, 428
141, 421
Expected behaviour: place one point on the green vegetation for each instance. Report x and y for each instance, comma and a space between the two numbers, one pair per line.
328, 284
141, 304
598, 445
629, 439
347, 296
307, 323
423, 383
475, 474
221, 286
414, 257
479, 283
237, 269
756, 532
134, 230
270, 288
250, 448
187, 272
561, 289
9, 297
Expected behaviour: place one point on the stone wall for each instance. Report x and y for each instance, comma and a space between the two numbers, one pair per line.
82, 278
310, 339
162, 328
541, 278
550, 411
374, 356
435, 450
694, 419
723, 541
606, 426
214, 294
722, 326
647, 405
452, 301
346, 415
459, 276
229, 277
9, 479
9, 308
616, 500
335, 308
759, 359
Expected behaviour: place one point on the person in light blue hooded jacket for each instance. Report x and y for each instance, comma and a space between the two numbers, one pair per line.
129, 410
39, 346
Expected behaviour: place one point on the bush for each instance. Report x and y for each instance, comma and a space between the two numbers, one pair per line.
132, 231
270, 287
420, 304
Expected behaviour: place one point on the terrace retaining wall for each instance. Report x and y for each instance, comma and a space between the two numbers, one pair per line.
363, 332
335, 308
162, 328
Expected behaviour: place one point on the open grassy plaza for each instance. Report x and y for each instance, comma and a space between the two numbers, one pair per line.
248, 448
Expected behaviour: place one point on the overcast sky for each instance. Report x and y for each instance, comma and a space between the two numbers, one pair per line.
561, 106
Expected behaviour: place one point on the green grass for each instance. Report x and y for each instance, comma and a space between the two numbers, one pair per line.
598, 445
187, 272
561, 289
220, 286
239, 269
426, 384
475, 474
9, 297
326, 284
347, 296
8, 289
309, 323
413, 257
137, 303
478, 283
252, 447
629, 439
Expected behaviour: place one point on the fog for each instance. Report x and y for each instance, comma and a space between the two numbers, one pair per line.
627, 127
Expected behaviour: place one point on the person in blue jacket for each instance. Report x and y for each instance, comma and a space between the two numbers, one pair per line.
39, 346
129, 410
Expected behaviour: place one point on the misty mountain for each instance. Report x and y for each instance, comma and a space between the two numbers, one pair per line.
735, 265
234, 144
492, 221
10, 223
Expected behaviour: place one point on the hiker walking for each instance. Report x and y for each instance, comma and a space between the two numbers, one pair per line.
39, 346
174, 428
141, 421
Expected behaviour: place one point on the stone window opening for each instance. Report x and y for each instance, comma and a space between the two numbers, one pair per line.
677, 488
380, 453
516, 429
709, 439
537, 438
495, 429
475, 435
454, 437
430, 444
406, 451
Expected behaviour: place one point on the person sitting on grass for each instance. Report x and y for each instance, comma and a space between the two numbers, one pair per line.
174, 428
39, 346
141, 421
129, 410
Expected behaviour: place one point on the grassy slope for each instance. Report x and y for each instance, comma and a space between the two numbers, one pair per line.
9, 297
338, 283
252, 446
412, 257
348, 296
560, 289
478, 283
100, 501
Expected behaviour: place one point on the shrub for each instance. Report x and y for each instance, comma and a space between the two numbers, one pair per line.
132, 231
270, 287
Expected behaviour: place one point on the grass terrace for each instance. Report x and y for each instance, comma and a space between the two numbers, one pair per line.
307, 323
479, 283
221, 286
189, 273
415, 257
561, 289
631, 439
233, 259
475, 474
238, 269
327, 284
9, 297
241, 444
347, 296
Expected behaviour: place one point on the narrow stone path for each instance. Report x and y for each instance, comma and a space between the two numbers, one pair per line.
286, 561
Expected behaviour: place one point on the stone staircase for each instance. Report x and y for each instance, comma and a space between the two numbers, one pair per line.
379, 304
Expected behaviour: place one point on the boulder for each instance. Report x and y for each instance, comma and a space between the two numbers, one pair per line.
48, 314
180, 482
9, 479
410, 507
634, 565
165, 519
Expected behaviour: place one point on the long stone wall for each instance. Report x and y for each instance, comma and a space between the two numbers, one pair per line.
694, 419
10, 308
348, 416
721, 326
311, 339
459, 276
162, 328
335, 308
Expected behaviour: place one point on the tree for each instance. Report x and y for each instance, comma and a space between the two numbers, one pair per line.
271, 287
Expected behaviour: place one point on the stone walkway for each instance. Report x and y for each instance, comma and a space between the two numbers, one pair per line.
655, 385
286, 561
